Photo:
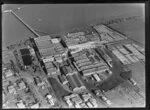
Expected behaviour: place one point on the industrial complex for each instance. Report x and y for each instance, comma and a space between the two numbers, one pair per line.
75, 70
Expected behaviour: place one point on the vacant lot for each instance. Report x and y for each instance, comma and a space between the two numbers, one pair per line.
58, 89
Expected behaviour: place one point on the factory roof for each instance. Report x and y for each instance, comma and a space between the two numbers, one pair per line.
70, 79
49, 47
78, 83
62, 79
47, 37
108, 34
79, 38
49, 65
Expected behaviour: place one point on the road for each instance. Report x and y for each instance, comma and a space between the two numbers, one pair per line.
31, 84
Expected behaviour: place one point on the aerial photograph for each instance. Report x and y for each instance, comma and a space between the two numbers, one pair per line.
73, 55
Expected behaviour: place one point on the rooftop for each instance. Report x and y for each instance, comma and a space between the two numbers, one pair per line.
79, 38
49, 47
108, 34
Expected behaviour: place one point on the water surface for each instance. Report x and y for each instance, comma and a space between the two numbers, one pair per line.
55, 18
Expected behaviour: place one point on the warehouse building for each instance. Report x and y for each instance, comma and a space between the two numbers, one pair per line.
63, 70
68, 69
107, 34
94, 70
132, 58
81, 57
51, 71
62, 79
50, 48
121, 57
79, 40
87, 45
47, 37
82, 60
88, 63
78, 53
135, 51
72, 84
96, 77
49, 65
139, 48
75, 34
104, 55
78, 83
106, 37
84, 63
123, 50
117, 36
92, 66
50, 68
127, 53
